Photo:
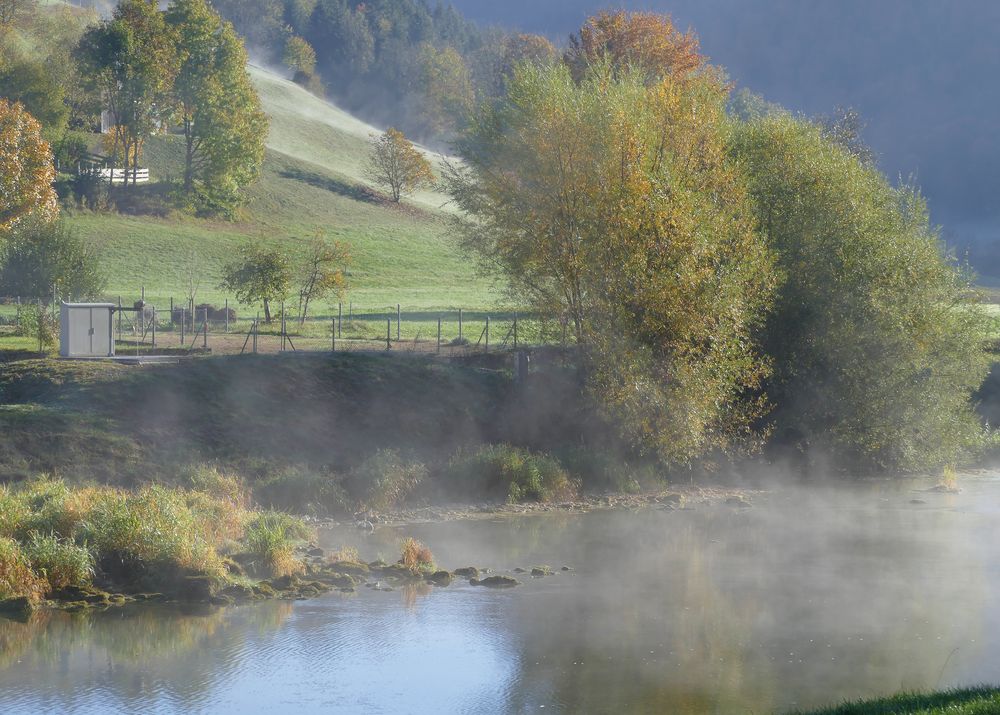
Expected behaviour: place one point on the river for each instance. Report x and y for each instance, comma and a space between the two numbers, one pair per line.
809, 597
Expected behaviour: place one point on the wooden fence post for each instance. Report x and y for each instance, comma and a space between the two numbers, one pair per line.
487, 333
119, 318
282, 326
459, 325
333, 332
227, 315
388, 333
256, 324
515, 331
171, 311
340, 318
397, 322
154, 328
439, 334
204, 329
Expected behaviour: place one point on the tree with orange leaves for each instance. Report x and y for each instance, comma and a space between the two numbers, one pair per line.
26, 170
646, 41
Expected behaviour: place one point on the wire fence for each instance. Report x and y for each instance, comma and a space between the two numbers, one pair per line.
186, 327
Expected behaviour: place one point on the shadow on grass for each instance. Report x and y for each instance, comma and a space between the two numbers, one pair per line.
970, 701
342, 188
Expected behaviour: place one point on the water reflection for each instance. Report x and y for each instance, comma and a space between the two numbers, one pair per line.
815, 597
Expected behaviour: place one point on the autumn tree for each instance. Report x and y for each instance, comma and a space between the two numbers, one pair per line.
258, 275
645, 41
31, 83
447, 90
220, 113
397, 165
322, 272
876, 335
26, 170
611, 204
132, 60
299, 56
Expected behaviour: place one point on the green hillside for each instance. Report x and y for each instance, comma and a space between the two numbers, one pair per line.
313, 180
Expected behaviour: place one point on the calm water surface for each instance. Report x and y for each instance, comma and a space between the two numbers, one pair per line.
807, 598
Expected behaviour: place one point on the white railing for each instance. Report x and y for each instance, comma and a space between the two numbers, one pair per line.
121, 176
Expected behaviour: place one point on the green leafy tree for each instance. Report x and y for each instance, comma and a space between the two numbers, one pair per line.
448, 96
611, 204
220, 113
876, 337
323, 271
259, 275
32, 84
132, 60
299, 56
42, 256
397, 165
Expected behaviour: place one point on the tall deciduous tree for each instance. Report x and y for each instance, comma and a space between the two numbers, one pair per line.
258, 275
132, 60
612, 204
397, 165
645, 41
220, 113
323, 271
26, 170
877, 338
447, 88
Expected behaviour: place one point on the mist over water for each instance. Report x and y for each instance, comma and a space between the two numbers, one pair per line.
809, 597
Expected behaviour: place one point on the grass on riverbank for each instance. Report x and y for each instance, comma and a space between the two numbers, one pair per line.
966, 701
54, 537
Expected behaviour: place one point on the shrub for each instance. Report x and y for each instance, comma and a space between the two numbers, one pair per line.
270, 536
13, 512
348, 554
383, 480
416, 556
52, 508
302, 490
511, 473
155, 526
16, 577
36, 322
60, 562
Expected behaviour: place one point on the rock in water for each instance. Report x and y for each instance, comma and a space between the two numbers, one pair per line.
439, 578
496, 582
467, 572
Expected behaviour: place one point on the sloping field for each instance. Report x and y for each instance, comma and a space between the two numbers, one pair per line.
313, 182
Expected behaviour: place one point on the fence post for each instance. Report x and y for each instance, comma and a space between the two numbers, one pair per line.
282, 326
182, 326
256, 323
154, 328
227, 315
388, 333
487, 333
119, 318
204, 328
515, 331
397, 321
333, 332
171, 311
439, 334
459, 325
340, 318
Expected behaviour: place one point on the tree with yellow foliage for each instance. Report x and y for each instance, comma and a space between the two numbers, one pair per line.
26, 170
397, 165
645, 41
610, 203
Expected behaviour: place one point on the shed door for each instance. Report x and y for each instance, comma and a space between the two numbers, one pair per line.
100, 333
80, 340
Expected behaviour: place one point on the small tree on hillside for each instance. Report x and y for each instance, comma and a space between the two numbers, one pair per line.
322, 272
397, 165
258, 274
46, 255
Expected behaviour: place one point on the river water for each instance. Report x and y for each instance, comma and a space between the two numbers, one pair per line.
809, 597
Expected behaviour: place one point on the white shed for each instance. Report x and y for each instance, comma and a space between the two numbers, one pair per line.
87, 330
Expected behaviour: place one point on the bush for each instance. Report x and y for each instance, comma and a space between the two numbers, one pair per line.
60, 562
43, 255
16, 577
510, 473
270, 537
384, 480
302, 490
36, 322
416, 556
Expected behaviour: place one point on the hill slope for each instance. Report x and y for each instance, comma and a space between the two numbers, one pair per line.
312, 181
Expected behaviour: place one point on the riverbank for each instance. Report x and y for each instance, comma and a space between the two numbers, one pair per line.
980, 700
